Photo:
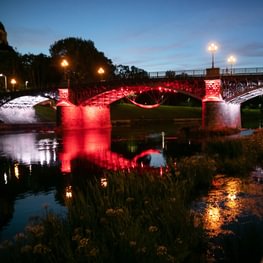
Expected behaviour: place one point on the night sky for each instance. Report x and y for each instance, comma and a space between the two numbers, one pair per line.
152, 35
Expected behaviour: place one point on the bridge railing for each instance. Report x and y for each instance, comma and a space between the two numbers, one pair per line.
177, 73
202, 72
242, 71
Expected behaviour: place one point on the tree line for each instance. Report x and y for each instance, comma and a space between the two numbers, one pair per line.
42, 71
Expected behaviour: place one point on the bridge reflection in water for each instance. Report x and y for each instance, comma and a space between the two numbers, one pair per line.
95, 145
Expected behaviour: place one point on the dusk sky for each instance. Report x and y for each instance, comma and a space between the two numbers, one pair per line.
152, 35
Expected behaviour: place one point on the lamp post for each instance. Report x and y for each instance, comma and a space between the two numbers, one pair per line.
13, 82
231, 60
213, 48
64, 64
101, 71
4, 76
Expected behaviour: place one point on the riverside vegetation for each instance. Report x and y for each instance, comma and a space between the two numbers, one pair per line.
137, 217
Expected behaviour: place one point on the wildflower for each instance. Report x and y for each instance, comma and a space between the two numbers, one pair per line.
77, 230
146, 202
37, 230
132, 243
129, 199
114, 212
119, 211
26, 249
41, 249
173, 199
153, 229
161, 250
110, 212
76, 237
19, 236
83, 242
170, 258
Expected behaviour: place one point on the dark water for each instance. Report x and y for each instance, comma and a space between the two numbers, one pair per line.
37, 171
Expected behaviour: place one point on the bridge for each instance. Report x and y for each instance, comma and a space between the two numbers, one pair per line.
221, 93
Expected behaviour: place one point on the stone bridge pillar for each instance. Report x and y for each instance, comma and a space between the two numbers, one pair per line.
216, 113
70, 116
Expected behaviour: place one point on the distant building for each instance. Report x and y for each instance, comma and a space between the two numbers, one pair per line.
3, 40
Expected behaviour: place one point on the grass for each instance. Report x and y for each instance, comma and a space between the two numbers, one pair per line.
136, 218
126, 111
45, 113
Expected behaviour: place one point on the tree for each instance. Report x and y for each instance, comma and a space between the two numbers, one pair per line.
84, 60
38, 72
125, 72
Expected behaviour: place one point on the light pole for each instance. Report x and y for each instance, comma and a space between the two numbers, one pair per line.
64, 64
213, 48
4, 76
231, 60
101, 71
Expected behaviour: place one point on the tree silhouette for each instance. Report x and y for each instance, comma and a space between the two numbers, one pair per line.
84, 60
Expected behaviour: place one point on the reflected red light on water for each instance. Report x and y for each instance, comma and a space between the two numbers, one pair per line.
95, 146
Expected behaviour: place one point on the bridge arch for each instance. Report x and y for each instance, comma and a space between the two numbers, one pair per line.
89, 108
110, 96
20, 109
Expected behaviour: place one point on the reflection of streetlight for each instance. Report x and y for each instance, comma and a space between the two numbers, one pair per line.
4, 76
68, 192
231, 60
13, 82
64, 64
213, 48
101, 71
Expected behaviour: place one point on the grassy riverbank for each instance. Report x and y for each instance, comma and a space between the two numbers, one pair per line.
126, 111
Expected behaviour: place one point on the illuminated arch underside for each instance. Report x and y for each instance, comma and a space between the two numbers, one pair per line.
24, 102
246, 96
20, 110
108, 97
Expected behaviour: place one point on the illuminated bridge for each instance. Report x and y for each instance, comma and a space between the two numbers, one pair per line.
221, 94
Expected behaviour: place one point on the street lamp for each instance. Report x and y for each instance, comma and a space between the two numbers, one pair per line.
231, 60
213, 48
101, 71
13, 82
4, 76
64, 64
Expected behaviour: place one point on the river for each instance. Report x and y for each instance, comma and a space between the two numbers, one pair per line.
38, 168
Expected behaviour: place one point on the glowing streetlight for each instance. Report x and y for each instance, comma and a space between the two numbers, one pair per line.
64, 64
213, 48
13, 82
4, 76
231, 60
101, 71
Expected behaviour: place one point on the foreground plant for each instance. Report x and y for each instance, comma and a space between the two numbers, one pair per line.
136, 218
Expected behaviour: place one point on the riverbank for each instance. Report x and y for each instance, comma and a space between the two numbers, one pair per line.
42, 126
125, 114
